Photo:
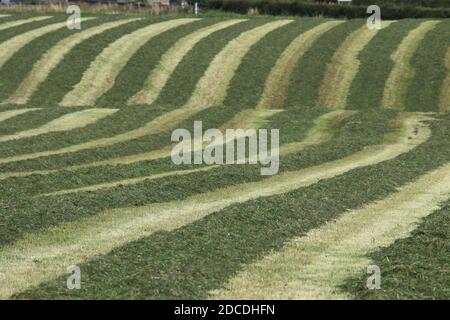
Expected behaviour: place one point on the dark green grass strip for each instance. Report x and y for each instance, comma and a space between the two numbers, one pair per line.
248, 84
17, 68
70, 70
430, 71
307, 76
417, 267
22, 214
189, 262
129, 117
367, 88
132, 78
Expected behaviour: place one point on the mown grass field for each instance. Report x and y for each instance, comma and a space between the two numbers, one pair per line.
86, 178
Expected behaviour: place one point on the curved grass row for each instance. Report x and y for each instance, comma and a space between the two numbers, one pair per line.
160, 75
50, 60
203, 97
12, 24
343, 68
9, 47
444, 104
397, 84
67, 122
4, 115
315, 265
229, 247
92, 236
102, 72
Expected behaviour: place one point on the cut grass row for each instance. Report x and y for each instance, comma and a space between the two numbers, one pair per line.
22, 215
106, 230
217, 246
412, 268
315, 265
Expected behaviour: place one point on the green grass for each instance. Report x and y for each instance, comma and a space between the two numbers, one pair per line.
413, 268
191, 261
202, 256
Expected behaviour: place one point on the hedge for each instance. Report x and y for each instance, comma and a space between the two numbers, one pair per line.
274, 7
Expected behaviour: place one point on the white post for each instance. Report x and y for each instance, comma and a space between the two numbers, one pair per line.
196, 8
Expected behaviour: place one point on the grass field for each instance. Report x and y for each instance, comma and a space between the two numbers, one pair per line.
86, 177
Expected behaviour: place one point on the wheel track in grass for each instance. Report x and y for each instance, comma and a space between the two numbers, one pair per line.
315, 265
169, 61
211, 90
43, 256
16, 23
11, 46
53, 57
100, 76
278, 81
343, 67
67, 122
397, 84
4, 115
444, 105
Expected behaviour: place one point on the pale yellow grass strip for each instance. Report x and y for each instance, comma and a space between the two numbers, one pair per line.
313, 266
445, 95
169, 61
43, 256
211, 90
67, 122
103, 71
53, 57
343, 68
278, 81
4, 15
397, 84
4, 115
11, 46
17, 23
319, 133
127, 182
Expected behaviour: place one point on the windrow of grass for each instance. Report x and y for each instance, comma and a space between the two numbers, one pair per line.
19, 22
53, 56
134, 117
192, 260
4, 115
169, 61
102, 72
71, 68
67, 122
415, 267
278, 80
32, 47
10, 47
210, 91
21, 214
366, 90
429, 61
315, 265
399, 80
343, 68
115, 227
307, 76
